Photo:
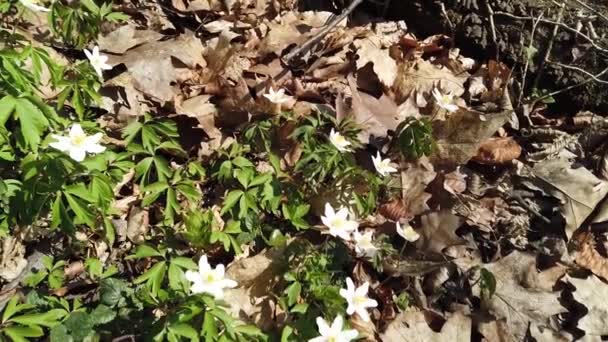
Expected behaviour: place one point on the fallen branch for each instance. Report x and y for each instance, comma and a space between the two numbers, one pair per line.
324, 31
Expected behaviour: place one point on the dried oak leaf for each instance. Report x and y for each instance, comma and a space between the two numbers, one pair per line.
384, 66
257, 275
422, 77
592, 292
497, 151
153, 69
518, 300
578, 189
13, 260
461, 134
125, 38
202, 110
439, 231
412, 326
588, 257
137, 225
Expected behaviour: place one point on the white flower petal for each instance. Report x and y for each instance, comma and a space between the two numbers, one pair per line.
76, 131
78, 154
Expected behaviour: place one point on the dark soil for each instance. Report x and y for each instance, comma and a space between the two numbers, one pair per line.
472, 32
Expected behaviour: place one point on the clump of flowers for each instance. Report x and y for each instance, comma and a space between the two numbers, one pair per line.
209, 280
277, 97
364, 243
77, 144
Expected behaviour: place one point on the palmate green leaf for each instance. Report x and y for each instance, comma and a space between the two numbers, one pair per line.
46, 319
177, 278
153, 277
13, 307
32, 122
184, 330
184, 262
230, 201
145, 251
81, 210
21, 333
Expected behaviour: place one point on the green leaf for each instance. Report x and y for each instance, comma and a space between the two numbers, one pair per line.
177, 278
102, 315
184, 330
183, 262
487, 282
32, 121
242, 162
80, 209
20, 333
46, 319
153, 277
13, 307
145, 251
230, 200
287, 332
7, 106
249, 330
293, 293
244, 176
300, 308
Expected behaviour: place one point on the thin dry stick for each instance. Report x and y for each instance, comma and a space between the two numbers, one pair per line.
562, 25
325, 30
592, 78
543, 61
493, 27
596, 12
527, 65
571, 67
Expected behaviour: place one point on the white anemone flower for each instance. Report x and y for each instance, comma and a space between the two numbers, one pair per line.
338, 223
364, 243
277, 97
357, 299
33, 5
383, 166
77, 144
445, 101
334, 333
339, 141
407, 232
209, 280
98, 62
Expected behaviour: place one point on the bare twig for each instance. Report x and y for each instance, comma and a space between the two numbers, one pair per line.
325, 30
493, 27
571, 67
543, 61
562, 25
596, 12
527, 65
445, 14
592, 78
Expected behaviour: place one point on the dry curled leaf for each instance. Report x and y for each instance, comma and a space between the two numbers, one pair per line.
588, 257
497, 151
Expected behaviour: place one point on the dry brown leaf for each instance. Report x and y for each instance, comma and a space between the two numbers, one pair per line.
204, 111
455, 182
13, 260
588, 257
384, 66
592, 292
415, 178
125, 38
256, 276
461, 134
375, 116
439, 231
412, 326
497, 151
152, 69
138, 225
422, 77
518, 300
578, 189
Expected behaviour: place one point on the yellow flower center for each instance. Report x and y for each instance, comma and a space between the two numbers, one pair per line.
359, 300
78, 140
332, 339
340, 139
209, 277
